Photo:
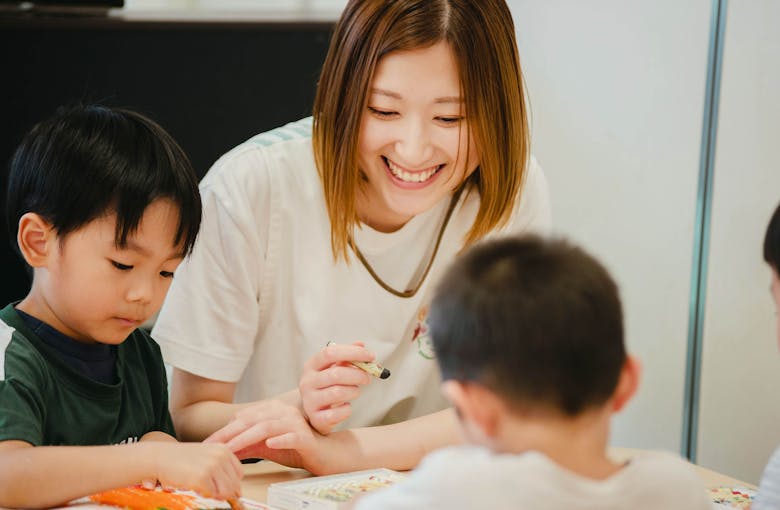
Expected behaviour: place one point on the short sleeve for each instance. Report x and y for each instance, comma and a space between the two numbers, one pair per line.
768, 496
22, 407
532, 210
209, 320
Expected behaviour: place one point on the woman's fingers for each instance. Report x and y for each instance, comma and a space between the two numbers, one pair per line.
255, 425
332, 396
254, 434
329, 382
330, 406
286, 441
338, 353
227, 432
327, 419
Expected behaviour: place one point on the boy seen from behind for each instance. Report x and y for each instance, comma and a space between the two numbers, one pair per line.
528, 335
103, 205
768, 495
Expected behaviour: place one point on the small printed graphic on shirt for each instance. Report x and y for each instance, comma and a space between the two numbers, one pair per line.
421, 335
129, 440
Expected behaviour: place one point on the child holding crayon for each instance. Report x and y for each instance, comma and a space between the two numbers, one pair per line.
104, 205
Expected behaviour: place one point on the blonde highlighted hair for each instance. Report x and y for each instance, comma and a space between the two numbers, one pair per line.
482, 38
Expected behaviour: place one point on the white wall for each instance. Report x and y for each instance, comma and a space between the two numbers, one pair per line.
740, 402
617, 93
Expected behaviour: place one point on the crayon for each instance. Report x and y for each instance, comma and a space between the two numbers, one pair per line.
235, 504
370, 368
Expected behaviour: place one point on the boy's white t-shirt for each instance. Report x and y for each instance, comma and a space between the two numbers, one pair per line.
768, 495
472, 477
261, 293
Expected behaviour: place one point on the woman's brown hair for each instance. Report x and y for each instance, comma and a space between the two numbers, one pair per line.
482, 37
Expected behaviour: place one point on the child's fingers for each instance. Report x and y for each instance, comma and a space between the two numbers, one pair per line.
238, 469
149, 484
228, 485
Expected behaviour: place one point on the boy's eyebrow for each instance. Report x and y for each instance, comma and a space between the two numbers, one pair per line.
396, 95
133, 246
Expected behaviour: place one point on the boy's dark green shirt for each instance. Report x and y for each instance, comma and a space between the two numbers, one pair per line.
45, 402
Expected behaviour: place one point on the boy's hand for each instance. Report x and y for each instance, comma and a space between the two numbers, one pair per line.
209, 469
156, 435
329, 382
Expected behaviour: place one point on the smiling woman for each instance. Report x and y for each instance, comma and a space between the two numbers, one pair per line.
417, 148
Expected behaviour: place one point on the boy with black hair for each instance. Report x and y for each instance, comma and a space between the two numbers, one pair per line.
768, 496
528, 335
103, 205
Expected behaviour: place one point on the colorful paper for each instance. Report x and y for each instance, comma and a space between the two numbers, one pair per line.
329, 492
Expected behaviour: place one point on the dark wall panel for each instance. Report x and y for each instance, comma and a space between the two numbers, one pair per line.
211, 86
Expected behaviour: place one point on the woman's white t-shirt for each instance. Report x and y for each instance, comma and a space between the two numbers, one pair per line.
261, 293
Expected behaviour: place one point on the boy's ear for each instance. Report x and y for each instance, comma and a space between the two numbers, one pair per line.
628, 384
476, 404
34, 237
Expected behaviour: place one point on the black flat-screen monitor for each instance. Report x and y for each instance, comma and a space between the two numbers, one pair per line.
65, 4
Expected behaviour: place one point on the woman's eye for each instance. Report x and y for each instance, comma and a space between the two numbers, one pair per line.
121, 267
381, 113
450, 120
166, 274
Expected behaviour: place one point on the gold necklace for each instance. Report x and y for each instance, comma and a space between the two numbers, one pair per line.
410, 292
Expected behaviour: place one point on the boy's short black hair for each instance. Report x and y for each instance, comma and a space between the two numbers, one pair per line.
88, 160
772, 241
537, 321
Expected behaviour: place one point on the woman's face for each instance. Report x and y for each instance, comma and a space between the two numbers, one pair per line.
414, 137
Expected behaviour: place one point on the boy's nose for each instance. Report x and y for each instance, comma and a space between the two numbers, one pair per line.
142, 291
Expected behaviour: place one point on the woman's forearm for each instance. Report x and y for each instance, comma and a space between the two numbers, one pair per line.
399, 446
197, 421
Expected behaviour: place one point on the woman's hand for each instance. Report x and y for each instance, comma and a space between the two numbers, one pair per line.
329, 382
277, 431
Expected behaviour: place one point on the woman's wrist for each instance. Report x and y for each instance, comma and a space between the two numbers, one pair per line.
338, 452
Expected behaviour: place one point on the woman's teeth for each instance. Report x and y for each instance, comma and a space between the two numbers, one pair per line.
405, 176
